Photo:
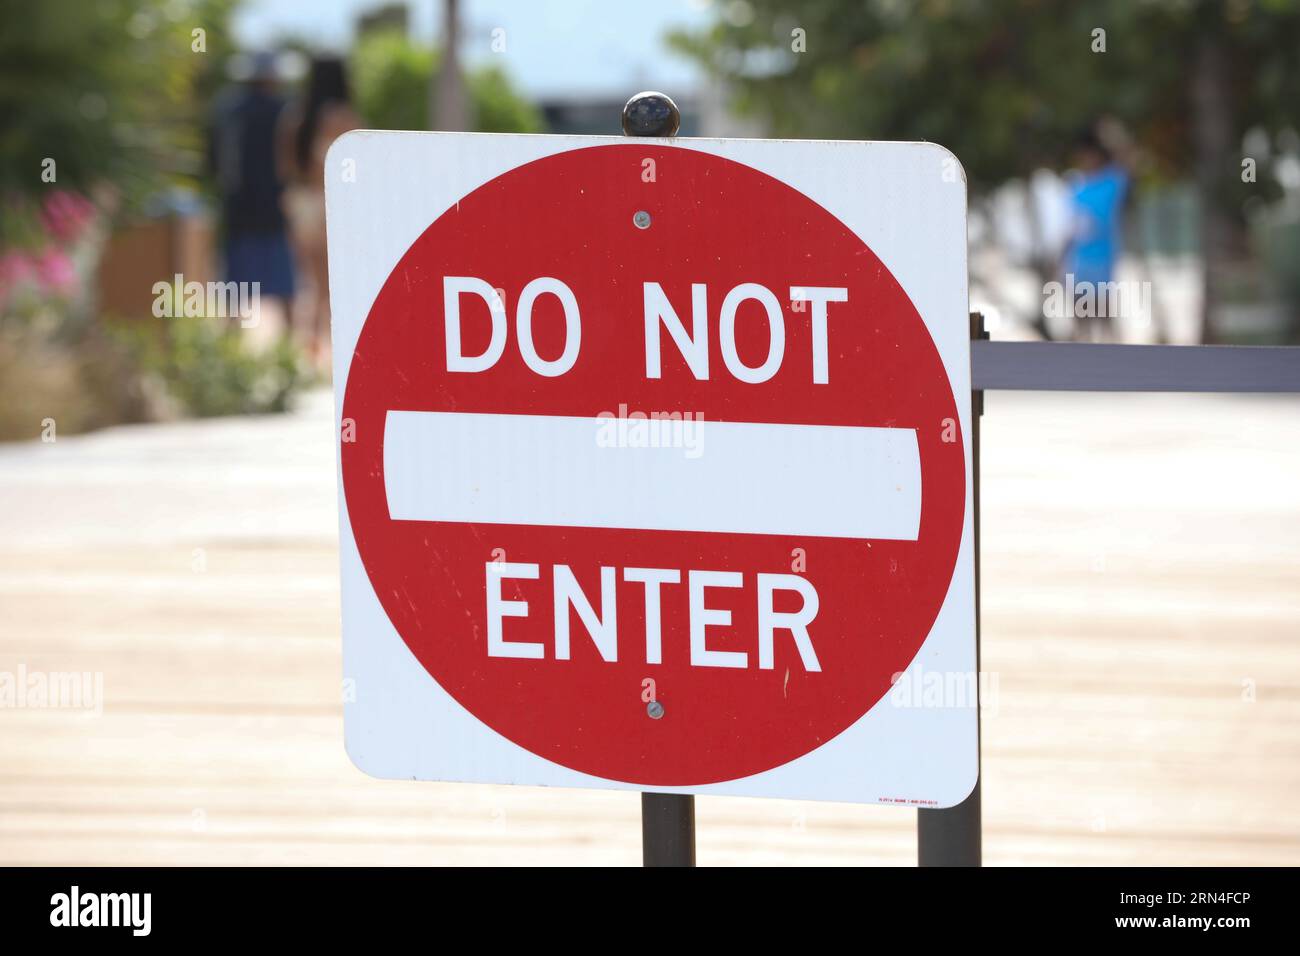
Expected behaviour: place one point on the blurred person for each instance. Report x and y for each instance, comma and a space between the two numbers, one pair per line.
309, 127
1098, 187
242, 156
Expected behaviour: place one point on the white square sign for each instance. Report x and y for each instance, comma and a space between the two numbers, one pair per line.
655, 463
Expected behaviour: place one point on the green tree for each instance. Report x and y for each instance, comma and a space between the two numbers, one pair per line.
1008, 84
110, 91
392, 80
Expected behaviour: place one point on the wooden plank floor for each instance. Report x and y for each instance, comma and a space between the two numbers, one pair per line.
1142, 623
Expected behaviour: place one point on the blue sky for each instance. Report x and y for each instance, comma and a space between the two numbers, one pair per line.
563, 47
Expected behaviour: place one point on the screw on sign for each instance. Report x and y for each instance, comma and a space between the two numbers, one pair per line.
654, 481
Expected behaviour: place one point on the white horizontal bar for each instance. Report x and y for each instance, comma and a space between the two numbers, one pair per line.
817, 480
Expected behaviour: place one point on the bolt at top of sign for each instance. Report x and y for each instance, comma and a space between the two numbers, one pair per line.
651, 114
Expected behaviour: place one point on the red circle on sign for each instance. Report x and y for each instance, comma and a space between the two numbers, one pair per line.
713, 221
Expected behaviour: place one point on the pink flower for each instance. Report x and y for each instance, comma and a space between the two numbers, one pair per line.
55, 272
16, 267
66, 214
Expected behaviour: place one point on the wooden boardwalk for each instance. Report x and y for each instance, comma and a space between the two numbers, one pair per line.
1141, 610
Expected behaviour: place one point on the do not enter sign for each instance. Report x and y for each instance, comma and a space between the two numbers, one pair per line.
655, 463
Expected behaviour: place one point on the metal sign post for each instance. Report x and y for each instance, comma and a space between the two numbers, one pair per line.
667, 829
667, 819
953, 836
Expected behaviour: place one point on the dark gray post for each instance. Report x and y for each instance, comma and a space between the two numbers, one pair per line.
667, 819
667, 829
953, 837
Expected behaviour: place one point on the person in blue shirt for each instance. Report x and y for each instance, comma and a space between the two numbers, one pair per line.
1098, 188
242, 158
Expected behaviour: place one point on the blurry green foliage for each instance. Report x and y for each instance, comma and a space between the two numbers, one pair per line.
116, 93
207, 367
111, 90
84, 379
391, 78
89, 375
1005, 84
1009, 86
